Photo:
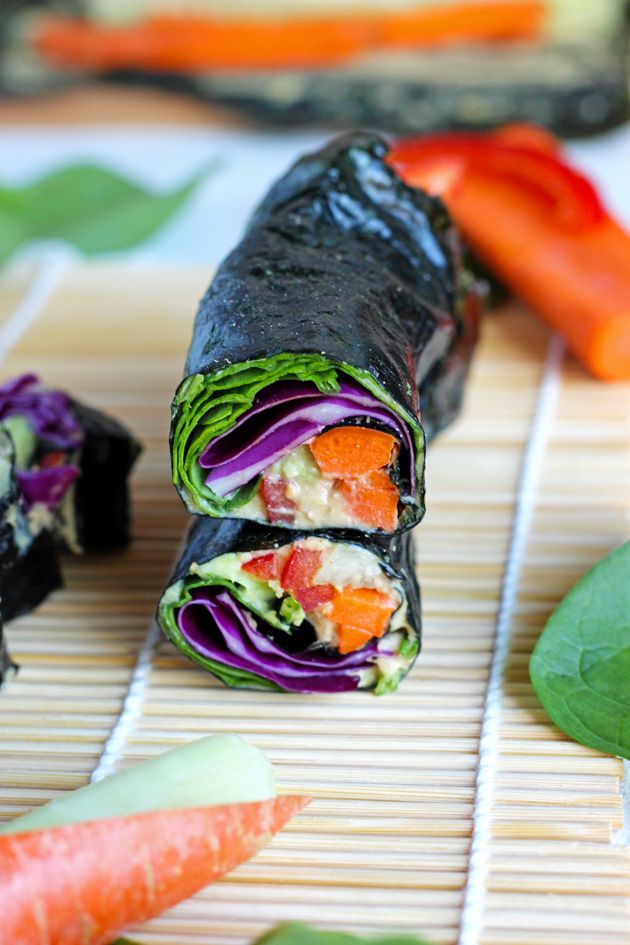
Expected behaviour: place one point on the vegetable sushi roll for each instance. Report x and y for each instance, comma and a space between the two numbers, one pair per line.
300, 401
296, 612
63, 473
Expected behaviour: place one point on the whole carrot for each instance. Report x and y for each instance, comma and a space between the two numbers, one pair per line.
85, 883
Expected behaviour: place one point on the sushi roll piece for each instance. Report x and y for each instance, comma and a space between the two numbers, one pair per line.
293, 611
300, 402
29, 567
64, 470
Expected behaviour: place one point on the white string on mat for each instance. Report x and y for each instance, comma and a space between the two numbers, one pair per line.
131, 708
28, 309
133, 702
478, 858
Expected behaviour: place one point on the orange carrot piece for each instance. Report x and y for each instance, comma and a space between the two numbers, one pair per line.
350, 639
372, 499
85, 883
362, 608
189, 42
349, 452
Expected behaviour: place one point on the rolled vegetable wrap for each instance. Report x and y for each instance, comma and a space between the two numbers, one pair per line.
64, 474
312, 614
29, 570
300, 401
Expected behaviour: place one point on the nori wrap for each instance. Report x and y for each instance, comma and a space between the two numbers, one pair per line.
64, 469
345, 289
29, 569
275, 619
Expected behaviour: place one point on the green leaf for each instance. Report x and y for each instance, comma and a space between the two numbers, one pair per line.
91, 207
294, 933
580, 667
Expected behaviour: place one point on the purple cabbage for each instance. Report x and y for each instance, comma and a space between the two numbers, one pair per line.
217, 627
46, 486
48, 412
52, 421
283, 417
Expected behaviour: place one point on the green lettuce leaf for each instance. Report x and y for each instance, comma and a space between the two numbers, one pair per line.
294, 933
580, 667
94, 209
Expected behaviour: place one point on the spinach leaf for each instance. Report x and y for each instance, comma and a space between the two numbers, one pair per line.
91, 207
580, 667
294, 933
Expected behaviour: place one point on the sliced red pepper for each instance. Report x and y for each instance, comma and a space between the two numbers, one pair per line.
310, 598
300, 568
264, 567
571, 197
576, 276
280, 508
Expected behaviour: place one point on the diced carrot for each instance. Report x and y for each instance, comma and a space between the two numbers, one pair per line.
348, 452
350, 639
280, 508
372, 499
85, 883
310, 598
301, 567
264, 567
363, 608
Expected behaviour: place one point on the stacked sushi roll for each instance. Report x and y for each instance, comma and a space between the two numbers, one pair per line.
298, 436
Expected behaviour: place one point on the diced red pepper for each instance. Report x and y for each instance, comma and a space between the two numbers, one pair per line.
300, 568
264, 567
52, 460
310, 598
280, 508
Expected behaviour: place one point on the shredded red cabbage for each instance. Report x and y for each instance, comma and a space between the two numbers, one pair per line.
48, 411
219, 628
50, 417
283, 417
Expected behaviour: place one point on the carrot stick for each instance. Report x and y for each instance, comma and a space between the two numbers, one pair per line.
193, 42
84, 883
348, 452
362, 608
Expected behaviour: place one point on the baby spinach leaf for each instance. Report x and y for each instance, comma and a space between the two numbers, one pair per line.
294, 933
91, 207
580, 667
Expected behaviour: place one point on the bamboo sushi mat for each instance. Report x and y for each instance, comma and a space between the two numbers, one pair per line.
452, 808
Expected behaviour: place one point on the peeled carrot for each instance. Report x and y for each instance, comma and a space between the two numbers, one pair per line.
84, 883
575, 276
348, 452
362, 608
189, 42
372, 499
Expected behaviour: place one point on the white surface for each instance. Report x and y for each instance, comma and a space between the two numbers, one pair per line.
211, 222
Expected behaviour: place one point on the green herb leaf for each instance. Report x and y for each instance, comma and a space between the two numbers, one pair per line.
294, 933
91, 207
580, 667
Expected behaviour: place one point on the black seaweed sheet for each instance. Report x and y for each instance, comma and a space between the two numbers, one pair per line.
6, 663
208, 538
340, 258
101, 494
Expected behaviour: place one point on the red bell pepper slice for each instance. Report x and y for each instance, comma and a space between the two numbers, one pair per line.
264, 567
280, 507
